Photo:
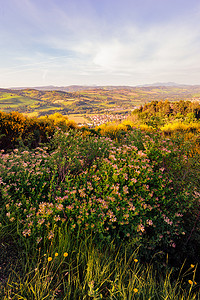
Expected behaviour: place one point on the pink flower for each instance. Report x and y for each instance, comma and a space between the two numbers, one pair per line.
140, 228
140, 153
125, 189
149, 222
134, 180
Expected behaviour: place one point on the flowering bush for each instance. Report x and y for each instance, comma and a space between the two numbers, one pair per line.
116, 190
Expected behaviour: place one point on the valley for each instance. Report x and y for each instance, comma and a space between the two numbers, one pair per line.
80, 102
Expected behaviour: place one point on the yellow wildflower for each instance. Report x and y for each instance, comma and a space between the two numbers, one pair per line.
56, 254
49, 258
135, 290
190, 282
192, 266
65, 254
135, 260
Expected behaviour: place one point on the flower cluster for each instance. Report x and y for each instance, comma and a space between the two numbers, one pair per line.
92, 183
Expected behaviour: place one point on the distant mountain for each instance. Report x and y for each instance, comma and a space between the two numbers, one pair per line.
70, 88
163, 84
76, 88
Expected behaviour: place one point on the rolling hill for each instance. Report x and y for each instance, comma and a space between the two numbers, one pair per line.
88, 100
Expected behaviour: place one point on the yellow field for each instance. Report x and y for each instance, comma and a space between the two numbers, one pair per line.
31, 115
78, 119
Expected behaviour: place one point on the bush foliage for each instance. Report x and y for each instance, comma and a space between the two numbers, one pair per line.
139, 188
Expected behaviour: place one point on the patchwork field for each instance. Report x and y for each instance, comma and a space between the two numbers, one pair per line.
89, 100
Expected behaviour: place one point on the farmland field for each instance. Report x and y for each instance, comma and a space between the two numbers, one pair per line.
14, 101
91, 100
78, 119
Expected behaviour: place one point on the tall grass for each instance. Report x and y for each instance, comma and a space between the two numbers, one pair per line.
77, 268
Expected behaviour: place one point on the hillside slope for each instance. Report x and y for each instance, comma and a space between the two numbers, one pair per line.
91, 99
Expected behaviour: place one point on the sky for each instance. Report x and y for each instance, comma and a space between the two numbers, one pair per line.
99, 42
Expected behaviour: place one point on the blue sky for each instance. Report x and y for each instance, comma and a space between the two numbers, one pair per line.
102, 42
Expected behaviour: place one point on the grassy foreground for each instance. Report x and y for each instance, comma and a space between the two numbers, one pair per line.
76, 268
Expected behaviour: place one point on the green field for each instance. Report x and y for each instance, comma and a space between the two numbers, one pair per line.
8, 101
88, 101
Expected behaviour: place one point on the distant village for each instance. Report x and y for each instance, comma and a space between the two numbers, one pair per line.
96, 120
